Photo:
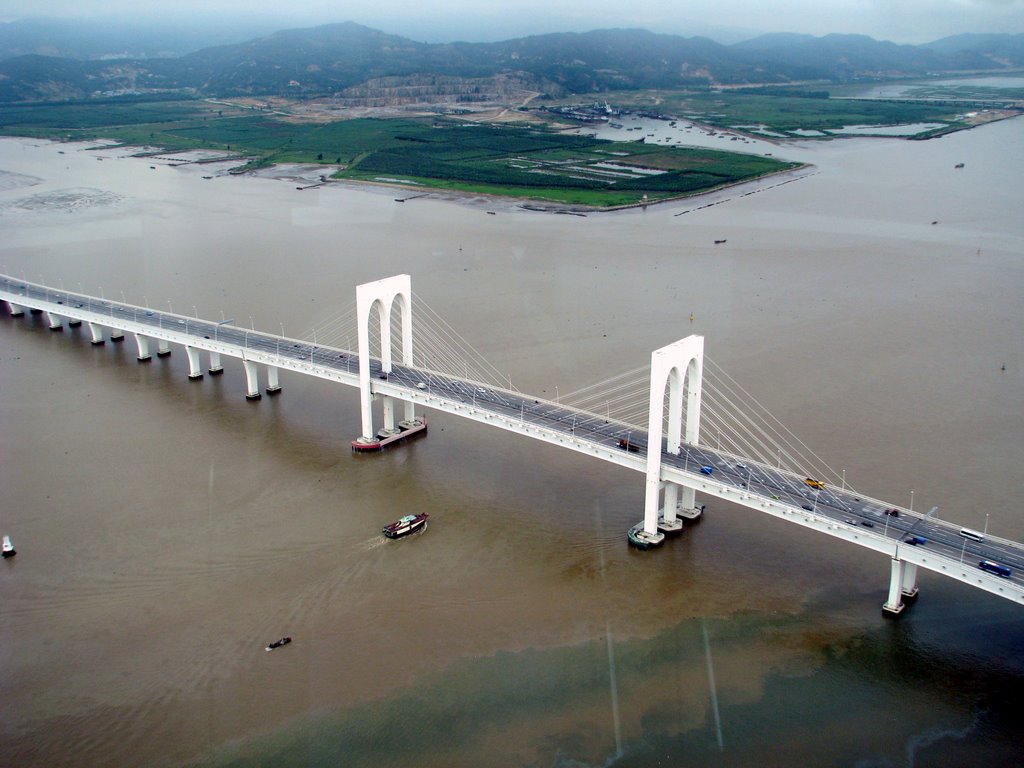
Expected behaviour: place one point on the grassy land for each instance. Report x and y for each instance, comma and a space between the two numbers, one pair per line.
781, 111
494, 159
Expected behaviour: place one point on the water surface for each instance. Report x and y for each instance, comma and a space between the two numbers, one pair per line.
168, 529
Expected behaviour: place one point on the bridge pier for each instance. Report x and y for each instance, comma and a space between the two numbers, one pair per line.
668, 522
143, 344
56, 321
97, 334
273, 386
116, 335
252, 380
72, 323
195, 369
16, 309
215, 366
902, 587
381, 296
679, 368
388, 409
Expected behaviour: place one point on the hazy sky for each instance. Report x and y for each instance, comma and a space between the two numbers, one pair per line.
911, 21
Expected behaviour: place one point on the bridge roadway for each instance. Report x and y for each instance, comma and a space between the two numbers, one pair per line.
839, 512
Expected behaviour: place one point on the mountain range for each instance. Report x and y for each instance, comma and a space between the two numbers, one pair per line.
326, 60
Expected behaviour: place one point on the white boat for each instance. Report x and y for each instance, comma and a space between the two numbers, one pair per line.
8, 548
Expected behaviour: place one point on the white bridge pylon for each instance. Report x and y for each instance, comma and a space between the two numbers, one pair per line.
380, 297
678, 367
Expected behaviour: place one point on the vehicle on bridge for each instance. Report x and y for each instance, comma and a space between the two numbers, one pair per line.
916, 541
707, 469
996, 568
967, 533
816, 484
626, 445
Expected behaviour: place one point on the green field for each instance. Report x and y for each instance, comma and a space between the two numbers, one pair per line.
780, 110
517, 161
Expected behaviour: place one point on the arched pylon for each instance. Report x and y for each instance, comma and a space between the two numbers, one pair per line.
380, 296
676, 366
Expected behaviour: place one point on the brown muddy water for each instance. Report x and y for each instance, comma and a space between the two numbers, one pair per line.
167, 529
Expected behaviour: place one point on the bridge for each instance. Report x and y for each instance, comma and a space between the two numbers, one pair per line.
681, 465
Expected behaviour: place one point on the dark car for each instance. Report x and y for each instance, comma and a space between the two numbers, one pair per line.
707, 469
867, 523
916, 541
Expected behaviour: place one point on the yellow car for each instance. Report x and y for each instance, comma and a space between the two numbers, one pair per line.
814, 483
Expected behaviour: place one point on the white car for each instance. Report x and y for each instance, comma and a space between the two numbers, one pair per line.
420, 385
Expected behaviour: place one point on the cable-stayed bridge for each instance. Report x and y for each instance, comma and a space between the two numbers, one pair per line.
672, 405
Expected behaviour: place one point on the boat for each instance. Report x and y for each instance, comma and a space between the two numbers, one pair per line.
405, 525
278, 643
719, 242
8, 548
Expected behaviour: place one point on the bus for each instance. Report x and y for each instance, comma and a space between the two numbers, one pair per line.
996, 568
967, 533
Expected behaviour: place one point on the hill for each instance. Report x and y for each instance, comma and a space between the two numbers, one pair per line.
328, 59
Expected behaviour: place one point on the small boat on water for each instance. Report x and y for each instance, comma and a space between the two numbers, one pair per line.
405, 525
719, 242
9, 550
278, 643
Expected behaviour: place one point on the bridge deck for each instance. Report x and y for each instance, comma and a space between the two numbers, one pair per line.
839, 512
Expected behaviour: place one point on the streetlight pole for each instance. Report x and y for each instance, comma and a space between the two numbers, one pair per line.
985, 532
279, 342
911, 500
844, 479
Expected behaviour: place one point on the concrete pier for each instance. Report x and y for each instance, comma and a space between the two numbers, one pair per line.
56, 321
163, 349
195, 368
215, 368
116, 335
143, 344
97, 334
16, 309
902, 587
273, 385
252, 380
